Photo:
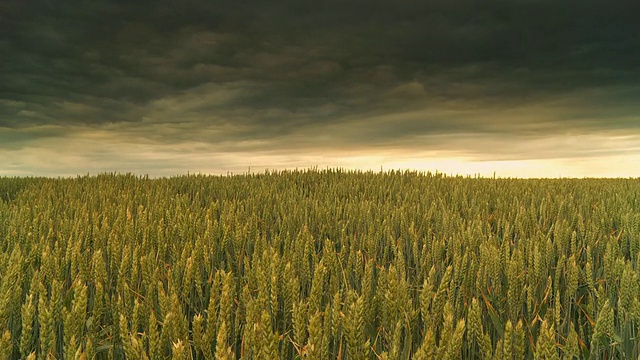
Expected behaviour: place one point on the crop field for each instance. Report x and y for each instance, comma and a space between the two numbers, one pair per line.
319, 265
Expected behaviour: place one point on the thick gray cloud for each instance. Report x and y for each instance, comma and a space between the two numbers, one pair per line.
259, 75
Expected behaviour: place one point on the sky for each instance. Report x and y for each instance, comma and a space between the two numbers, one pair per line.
519, 88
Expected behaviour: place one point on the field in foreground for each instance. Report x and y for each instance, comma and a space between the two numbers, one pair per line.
319, 265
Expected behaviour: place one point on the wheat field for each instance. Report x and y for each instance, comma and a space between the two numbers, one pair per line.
315, 264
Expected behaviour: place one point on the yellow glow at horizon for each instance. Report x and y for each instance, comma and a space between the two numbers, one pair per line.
90, 151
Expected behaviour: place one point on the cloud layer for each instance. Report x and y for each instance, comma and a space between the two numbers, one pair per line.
163, 87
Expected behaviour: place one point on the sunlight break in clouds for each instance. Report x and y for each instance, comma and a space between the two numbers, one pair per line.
92, 151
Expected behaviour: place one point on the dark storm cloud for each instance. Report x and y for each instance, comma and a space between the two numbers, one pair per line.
327, 73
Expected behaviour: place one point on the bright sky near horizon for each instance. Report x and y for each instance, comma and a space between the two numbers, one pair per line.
522, 88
